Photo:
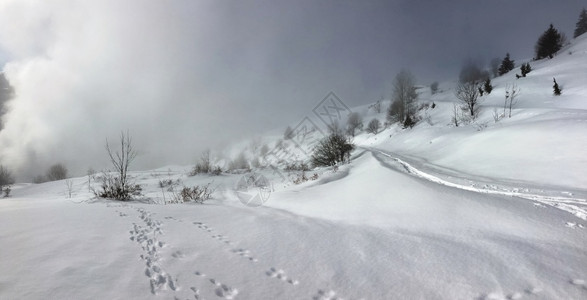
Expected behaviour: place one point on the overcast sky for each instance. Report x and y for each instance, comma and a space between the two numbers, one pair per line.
182, 76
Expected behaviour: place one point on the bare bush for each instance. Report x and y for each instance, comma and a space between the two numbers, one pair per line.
239, 163
511, 93
204, 166
6, 181
119, 185
331, 150
299, 166
197, 194
468, 95
373, 126
56, 172
69, 187
354, 123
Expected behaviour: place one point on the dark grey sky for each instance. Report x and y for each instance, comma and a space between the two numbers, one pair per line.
185, 75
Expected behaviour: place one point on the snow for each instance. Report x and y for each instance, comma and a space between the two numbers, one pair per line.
495, 210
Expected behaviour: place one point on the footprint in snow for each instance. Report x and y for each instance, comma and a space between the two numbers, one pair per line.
573, 225
280, 274
323, 295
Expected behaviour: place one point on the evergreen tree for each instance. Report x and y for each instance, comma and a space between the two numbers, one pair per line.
581, 24
548, 43
487, 86
525, 69
556, 88
506, 65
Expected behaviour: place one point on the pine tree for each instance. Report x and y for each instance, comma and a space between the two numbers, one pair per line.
556, 88
548, 43
506, 65
525, 69
487, 86
581, 24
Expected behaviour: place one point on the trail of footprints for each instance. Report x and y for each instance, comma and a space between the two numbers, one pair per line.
580, 283
147, 234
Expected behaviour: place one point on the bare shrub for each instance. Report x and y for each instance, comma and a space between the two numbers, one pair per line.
299, 166
511, 93
197, 194
119, 185
373, 126
56, 172
204, 166
69, 187
354, 123
331, 150
468, 95
6, 181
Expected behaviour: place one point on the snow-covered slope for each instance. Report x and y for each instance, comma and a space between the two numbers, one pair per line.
491, 210
543, 143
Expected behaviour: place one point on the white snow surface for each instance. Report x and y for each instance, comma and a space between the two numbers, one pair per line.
492, 210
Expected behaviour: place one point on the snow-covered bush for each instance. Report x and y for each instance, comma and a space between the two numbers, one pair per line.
331, 150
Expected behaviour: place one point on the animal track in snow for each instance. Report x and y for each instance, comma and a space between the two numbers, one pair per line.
574, 225
245, 253
280, 274
222, 238
178, 254
579, 283
146, 237
203, 226
224, 290
533, 290
323, 295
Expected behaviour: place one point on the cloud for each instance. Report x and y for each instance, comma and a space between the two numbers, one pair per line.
186, 75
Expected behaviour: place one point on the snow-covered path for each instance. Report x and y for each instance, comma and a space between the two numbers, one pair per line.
373, 233
574, 201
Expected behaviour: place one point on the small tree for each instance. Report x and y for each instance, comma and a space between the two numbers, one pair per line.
468, 94
354, 123
404, 94
409, 122
525, 69
487, 87
120, 186
374, 126
434, 87
548, 43
511, 94
581, 24
506, 65
288, 134
331, 150
6, 180
557, 90
56, 172
204, 166
394, 112
91, 172
456, 116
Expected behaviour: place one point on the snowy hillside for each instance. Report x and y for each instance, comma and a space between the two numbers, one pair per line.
490, 210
